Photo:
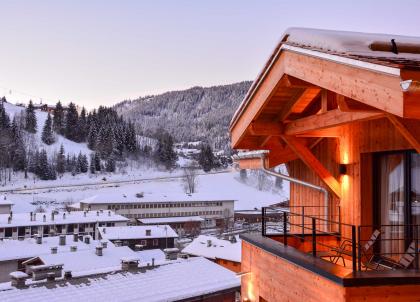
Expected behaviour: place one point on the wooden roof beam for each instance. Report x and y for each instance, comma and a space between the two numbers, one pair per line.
325, 120
405, 132
260, 128
313, 163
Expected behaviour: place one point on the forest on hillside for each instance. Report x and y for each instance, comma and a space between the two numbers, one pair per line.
195, 114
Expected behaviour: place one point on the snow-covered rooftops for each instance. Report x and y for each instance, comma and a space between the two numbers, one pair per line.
139, 197
177, 280
12, 249
24, 219
137, 232
171, 220
214, 248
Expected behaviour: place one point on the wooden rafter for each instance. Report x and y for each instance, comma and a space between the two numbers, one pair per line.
265, 128
325, 120
299, 104
405, 132
313, 163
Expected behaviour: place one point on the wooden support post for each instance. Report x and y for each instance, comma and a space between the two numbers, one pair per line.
313, 163
324, 101
405, 132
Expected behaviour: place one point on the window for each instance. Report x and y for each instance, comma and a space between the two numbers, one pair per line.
155, 242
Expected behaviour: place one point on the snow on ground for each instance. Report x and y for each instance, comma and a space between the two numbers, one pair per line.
221, 185
70, 147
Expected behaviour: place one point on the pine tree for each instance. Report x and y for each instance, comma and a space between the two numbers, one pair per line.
42, 167
58, 118
110, 164
92, 136
82, 126
130, 138
4, 117
165, 153
18, 150
30, 118
206, 158
47, 133
61, 161
97, 162
92, 164
72, 119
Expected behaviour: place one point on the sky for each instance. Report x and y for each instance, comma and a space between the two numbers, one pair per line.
102, 52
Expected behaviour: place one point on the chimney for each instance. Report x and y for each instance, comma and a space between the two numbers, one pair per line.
64, 216
104, 244
52, 216
73, 248
50, 277
97, 213
9, 219
67, 275
34, 216
75, 237
54, 250
62, 240
18, 279
153, 262
171, 253
109, 213
209, 243
31, 215
44, 218
138, 247
84, 214
99, 250
38, 239
87, 239
80, 237
148, 232
11, 214
129, 264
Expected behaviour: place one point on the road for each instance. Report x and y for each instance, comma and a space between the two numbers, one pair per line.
102, 184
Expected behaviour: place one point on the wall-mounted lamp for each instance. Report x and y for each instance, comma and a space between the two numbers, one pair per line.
342, 169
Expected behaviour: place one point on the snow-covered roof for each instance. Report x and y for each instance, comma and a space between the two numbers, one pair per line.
137, 232
5, 201
11, 249
146, 256
171, 219
24, 219
130, 197
86, 262
213, 247
174, 281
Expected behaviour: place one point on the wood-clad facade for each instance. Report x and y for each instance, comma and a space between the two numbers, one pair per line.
344, 124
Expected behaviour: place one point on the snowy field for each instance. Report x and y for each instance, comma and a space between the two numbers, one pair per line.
222, 185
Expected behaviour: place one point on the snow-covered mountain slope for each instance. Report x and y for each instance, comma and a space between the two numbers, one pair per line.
70, 147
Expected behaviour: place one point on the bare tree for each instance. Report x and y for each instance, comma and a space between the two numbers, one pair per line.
261, 179
190, 180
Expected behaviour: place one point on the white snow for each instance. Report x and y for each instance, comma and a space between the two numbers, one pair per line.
175, 281
355, 43
137, 232
24, 219
213, 248
170, 219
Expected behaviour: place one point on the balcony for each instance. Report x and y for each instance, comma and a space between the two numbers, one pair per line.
299, 246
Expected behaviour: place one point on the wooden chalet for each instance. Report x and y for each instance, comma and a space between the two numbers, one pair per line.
342, 111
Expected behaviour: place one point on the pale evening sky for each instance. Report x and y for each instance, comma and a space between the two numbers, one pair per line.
101, 52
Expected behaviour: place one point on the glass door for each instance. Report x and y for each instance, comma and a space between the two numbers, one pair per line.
392, 205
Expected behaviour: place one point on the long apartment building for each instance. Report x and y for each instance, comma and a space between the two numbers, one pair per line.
215, 212
26, 225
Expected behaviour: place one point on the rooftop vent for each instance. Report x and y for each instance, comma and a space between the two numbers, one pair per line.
73, 248
148, 232
109, 213
52, 216
38, 239
64, 216
31, 215
104, 244
62, 240
97, 213
75, 237
44, 218
68, 275
128, 263
209, 243
87, 239
99, 249
54, 250
171, 253
18, 279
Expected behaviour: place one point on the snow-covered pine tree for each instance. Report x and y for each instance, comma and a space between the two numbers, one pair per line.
71, 126
18, 150
4, 117
58, 118
82, 126
92, 136
97, 162
130, 138
30, 118
165, 153
110, 164
92, 169
47, 132
42, 167
60, 164
206, 158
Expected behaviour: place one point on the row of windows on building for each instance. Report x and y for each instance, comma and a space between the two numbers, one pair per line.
48, 229
165, 205
174, 214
